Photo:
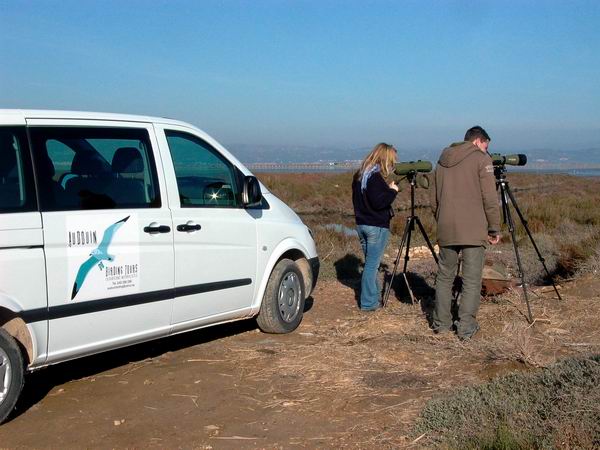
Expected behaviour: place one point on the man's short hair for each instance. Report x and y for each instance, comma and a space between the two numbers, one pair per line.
476, 132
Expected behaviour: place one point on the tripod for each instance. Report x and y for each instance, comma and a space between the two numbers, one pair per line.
506, 195
406, 237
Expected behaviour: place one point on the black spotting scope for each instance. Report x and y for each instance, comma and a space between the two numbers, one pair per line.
404, 168
518, 159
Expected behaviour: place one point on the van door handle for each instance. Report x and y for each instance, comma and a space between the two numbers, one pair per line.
154, 228
187, 227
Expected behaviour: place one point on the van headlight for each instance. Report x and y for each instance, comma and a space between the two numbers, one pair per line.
311, 233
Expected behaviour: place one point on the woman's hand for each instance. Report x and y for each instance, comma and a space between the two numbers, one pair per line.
393, 185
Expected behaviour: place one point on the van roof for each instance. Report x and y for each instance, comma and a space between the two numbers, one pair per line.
18, 116
85, 115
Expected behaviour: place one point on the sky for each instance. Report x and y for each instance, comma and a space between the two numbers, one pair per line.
317, 73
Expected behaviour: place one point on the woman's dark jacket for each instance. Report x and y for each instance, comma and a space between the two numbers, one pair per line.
373, 206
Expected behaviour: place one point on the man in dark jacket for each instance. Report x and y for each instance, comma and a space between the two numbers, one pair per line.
465, 205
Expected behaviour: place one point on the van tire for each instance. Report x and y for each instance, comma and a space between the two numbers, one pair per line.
11, 364
282, 305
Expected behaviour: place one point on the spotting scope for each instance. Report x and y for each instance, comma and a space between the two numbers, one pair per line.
518, 159
404, 168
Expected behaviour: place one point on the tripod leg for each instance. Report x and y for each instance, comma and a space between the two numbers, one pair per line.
504, 201
411, 227
410, 292
457, 285
396, 262
524, 222
431, 249
511, 228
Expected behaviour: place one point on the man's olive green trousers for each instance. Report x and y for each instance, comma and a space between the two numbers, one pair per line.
472, 268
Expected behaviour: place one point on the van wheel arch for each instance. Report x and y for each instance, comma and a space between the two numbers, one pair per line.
298, 257
13, 374
282, 305
17, 328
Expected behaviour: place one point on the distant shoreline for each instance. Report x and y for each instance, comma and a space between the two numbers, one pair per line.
592, 170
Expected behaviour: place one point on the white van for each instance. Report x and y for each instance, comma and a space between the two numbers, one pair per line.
118, 229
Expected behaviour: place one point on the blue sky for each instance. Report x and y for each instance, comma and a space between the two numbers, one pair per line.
317, 73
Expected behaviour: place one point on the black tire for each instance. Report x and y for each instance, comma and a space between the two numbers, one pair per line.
282, 305
12, 374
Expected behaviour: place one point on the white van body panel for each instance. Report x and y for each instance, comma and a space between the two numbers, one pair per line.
280, 231
23, 273
217, 319
275, 239
58, 116
280, 249
12, 117
235, 245
143, 263
222, 252
15, 290
20, 230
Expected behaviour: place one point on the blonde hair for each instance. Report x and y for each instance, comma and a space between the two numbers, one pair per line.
382, 154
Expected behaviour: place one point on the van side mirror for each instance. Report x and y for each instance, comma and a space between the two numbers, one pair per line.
251, 194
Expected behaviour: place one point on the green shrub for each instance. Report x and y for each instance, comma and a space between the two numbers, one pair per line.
553, 407
533, 268
501, 439
590, 265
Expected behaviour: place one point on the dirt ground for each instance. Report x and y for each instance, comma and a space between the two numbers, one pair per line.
343, 379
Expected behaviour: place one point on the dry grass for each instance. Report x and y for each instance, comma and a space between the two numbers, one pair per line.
563, 213
591, 265
381, 369
378, 370
310, 193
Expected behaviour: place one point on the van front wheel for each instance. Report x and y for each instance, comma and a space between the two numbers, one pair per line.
283, 302
12, 371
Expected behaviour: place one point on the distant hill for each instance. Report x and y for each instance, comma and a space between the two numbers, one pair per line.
577, 156
305, 154
294, 154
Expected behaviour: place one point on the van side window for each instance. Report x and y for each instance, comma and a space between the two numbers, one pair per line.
17, 193
204, 177
94, 168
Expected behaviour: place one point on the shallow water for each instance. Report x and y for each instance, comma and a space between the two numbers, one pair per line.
326, 168
339, 228
576, 172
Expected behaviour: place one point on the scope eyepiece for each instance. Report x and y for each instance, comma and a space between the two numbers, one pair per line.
517, 159
404, 168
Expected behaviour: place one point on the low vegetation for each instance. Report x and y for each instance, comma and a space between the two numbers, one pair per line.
562, 212
544, 404
555, 407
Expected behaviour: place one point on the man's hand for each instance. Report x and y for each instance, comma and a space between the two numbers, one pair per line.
393, 186
493, 239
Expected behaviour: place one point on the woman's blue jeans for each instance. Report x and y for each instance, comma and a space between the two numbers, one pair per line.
373, 241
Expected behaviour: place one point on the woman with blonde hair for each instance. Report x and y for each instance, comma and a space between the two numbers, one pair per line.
372, 198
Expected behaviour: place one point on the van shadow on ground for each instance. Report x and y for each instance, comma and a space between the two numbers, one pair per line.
38, 384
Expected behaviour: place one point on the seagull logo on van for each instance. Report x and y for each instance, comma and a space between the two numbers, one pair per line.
97, 255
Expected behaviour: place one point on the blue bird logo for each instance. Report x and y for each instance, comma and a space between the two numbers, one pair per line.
97, 255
